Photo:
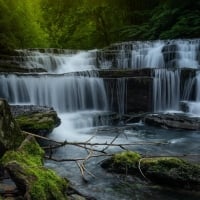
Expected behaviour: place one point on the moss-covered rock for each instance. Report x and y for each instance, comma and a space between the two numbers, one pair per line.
39, 122
10, 133
170, 171
26, 169
125, 162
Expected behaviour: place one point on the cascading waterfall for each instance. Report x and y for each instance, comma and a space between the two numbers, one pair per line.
81, 91
57, 61
151, 54
76, 95
165, 55
64, 93
187, 54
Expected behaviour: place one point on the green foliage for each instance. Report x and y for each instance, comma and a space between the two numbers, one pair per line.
90, 24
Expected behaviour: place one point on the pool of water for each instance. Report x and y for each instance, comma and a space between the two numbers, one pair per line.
149, 141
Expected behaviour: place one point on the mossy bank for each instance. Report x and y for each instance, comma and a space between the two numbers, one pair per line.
25, 166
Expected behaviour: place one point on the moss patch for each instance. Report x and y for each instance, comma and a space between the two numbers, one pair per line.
172, 171
125, 162
26, 169
41, 123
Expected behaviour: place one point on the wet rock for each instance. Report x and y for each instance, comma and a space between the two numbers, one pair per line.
125, 73
10, 133
170, 171
173, 120
36, 119
130, 95
34, 181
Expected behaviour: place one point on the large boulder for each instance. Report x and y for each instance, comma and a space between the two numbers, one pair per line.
33, 180
170, 171
10, 133
36, 119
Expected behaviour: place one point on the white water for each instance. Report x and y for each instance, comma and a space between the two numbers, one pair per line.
61, 62
64, 93
151, 54
166, 90
187, 55
80, 93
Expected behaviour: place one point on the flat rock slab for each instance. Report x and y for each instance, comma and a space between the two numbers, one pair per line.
173, 120
18, 110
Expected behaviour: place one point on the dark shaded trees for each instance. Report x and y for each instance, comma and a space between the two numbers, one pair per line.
87, 24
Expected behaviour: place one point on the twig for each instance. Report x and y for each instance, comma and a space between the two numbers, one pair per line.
81, 170
141, 170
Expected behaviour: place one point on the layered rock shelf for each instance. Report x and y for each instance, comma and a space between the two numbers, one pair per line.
173, 120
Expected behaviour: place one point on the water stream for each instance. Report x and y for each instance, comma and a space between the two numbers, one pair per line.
80, 99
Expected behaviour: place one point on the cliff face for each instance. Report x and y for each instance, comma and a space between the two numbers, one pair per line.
10, 134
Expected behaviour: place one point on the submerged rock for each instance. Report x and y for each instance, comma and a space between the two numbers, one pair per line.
36, 119
170, 171
173, 120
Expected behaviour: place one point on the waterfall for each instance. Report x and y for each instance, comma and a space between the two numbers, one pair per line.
151, 54
133, 55
166, 90
167, 58
64, 93
81, 89
59, 61
187, 55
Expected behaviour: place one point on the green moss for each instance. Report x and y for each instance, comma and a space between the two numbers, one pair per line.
43, 183
172, 171
125, 162
36, 123
127, 158
48, 185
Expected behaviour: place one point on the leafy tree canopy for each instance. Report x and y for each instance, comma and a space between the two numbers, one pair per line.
87, 24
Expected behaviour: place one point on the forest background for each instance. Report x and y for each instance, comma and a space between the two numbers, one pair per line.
89, 24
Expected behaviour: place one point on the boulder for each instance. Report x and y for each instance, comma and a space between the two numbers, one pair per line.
34, 181
10, 133
36, 119
169, 171
172, 172
173, 120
